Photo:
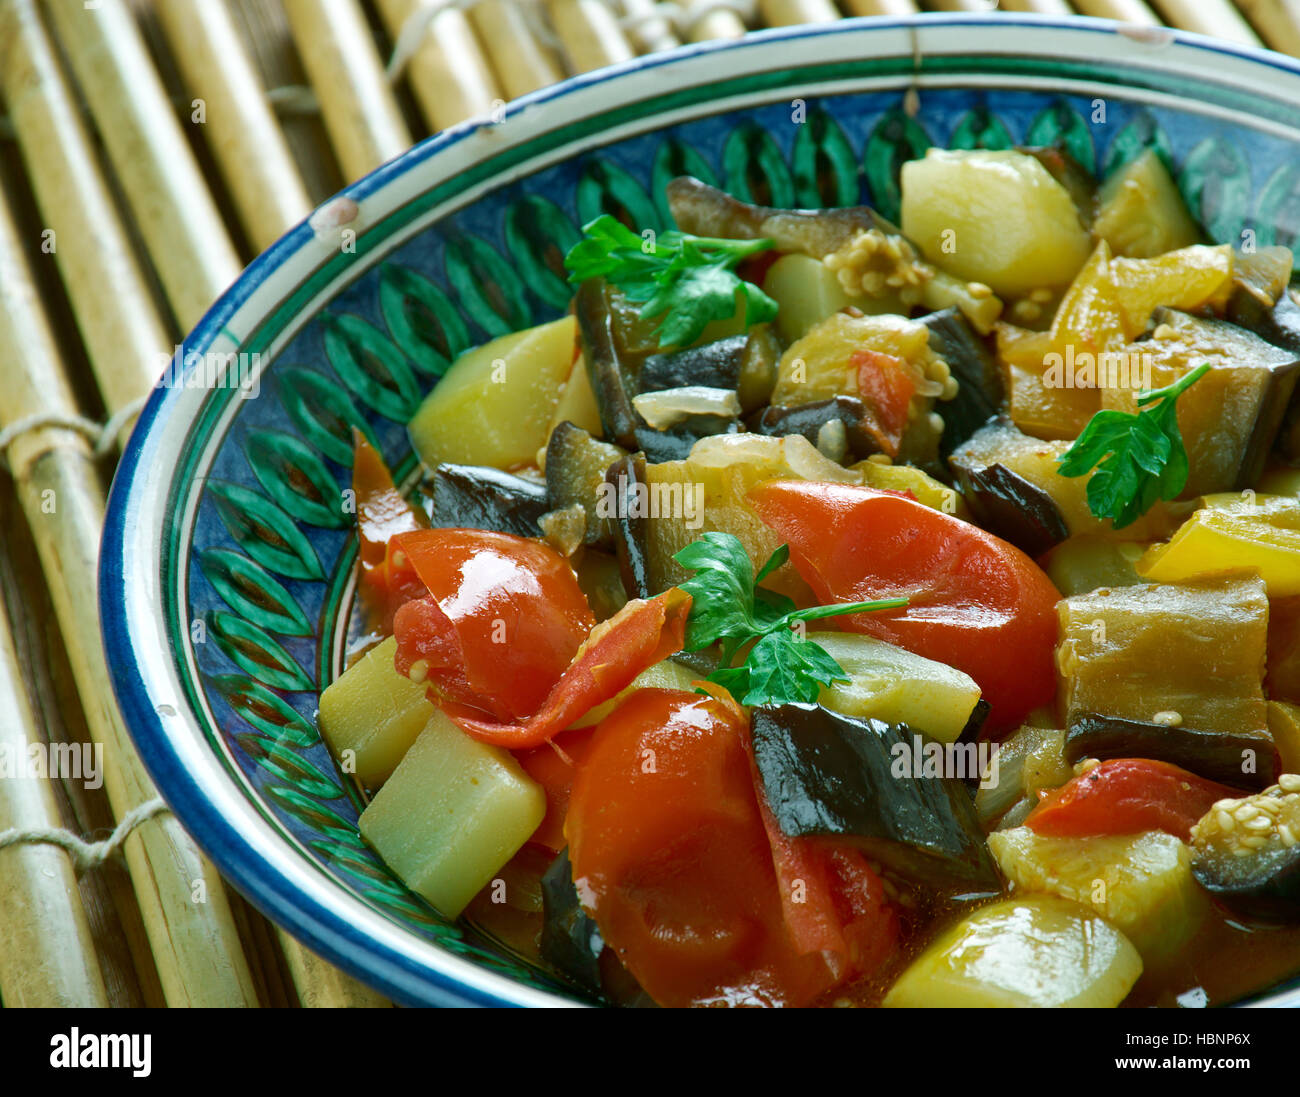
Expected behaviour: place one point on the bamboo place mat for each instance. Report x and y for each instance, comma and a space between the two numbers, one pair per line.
148, 150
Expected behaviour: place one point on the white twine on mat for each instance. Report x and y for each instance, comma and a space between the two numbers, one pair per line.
86, 855
102, 436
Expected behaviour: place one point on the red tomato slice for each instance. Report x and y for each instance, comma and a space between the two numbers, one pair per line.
503, 618
554, 765
639, 635
1127, 796
672, 860
975, 602
887, 386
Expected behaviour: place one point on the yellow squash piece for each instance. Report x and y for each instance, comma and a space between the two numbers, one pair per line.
1140, 212
890, 683
1033, 950
496, 403
452, 814
1190, 278
1044, 396
1140, 883
372, 714
1233, 533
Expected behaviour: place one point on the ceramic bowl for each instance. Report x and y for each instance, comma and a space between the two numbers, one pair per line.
226, 581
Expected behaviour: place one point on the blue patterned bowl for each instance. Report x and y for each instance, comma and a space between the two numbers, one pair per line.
226, 577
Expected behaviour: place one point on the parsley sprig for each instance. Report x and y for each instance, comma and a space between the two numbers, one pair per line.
689, 280
1138, 457
729, 608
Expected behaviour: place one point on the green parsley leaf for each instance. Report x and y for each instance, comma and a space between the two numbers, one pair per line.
728, 607
1136, 459
688, 280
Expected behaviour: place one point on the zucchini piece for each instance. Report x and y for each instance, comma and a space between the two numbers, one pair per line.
1246, 853
576, 464
806, 291
1030, 760
1084, 563
1033, 950
994, 217
1140, 211
1140, 883
1231, 416
453, 812
980, 391
758, 368
476, 497
1171, 672
375, 712
896, 686
495, 403
828, 774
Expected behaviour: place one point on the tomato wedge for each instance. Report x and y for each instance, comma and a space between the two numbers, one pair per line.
382, 513
642, 633
503, 617
975, 602
554, 765
672, 860
887, 386
1127, 796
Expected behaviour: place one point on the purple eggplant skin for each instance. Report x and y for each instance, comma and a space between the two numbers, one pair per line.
839, 776
715, 365
630, 533
1273, 895
473, 497
1280, 326
808, 420
570, 942
980, 394
613, 381
1007, 504
1214, 755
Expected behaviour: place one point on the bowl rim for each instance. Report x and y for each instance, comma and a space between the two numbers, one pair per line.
276, 880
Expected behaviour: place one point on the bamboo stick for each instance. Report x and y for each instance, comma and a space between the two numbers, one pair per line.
589, 33
449, 74
356, 102
47, 953
521, 63
121, 329
1217, 18
1137, 12
191, 933
785, 13
1277, 21
646, 26
178, 220
1038, 7
705, 23
880, 7
239, 125
964, 5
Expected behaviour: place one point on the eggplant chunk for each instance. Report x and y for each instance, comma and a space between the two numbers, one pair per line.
980, 392
809, 420
474, 497
1033, 950
1231, 416
1018, 511
1000, 442
1172, 672
613, 379
576, 464
1246, 852
828, 774
714, 365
